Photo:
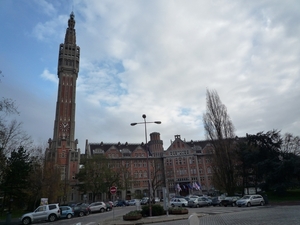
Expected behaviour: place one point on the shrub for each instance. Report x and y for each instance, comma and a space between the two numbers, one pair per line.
157, 210
177, 208
134, 213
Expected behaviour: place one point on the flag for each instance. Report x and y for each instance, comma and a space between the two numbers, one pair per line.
178, 187
199, 185
189, 186
196, 186
184, 187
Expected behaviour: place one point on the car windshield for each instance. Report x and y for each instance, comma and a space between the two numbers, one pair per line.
246, 197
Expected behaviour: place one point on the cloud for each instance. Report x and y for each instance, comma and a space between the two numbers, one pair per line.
48, 76
46, 7
159, 57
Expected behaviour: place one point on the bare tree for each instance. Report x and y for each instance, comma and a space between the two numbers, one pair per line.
220, 132
291, 144
12, 136
157, 176
8, 106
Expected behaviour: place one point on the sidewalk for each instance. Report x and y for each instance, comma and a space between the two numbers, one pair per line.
147, 220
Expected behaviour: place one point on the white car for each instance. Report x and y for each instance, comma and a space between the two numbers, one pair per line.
134, 201
249, 200
49, 212
179, 202
97, 207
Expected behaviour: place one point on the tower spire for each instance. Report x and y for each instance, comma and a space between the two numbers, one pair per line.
70, 37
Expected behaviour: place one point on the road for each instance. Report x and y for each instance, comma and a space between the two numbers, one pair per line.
94, 218
258, 215
274, 215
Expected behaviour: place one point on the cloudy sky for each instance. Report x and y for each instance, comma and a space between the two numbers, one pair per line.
155, 58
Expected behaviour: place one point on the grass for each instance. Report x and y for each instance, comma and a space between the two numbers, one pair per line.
14, 214
290, 196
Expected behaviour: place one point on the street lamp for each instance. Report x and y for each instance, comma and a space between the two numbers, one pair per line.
147, 153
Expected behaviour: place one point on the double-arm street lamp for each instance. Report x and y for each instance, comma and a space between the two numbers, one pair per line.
147, 154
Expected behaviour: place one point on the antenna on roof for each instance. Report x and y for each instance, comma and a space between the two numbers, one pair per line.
72, 5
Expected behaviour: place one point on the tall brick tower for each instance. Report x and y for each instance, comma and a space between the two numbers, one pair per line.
62, 151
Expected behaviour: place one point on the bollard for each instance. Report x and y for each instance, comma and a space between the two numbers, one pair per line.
193, 219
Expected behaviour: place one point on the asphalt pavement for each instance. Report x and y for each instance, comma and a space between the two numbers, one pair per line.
270, 214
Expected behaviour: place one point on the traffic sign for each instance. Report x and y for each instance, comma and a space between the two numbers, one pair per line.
113, 190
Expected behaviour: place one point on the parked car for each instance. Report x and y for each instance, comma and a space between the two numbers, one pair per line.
145, 201
180, 202
66, 212
49, 212
196, 202
249, 200
109, 206
216, 201
207, 199
81, 210
156, 200
121, 203
230, 200
97, 207
133, 201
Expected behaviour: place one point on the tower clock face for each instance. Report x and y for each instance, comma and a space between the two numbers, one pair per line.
64, 126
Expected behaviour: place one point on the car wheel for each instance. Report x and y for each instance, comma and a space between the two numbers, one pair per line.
52, 218
262, 203
81, 214
248, 204
69, 216
26, 221
87, 213
102, 210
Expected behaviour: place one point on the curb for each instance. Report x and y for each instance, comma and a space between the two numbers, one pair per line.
159, 219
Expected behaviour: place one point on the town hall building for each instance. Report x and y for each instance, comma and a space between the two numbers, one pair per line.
183, 168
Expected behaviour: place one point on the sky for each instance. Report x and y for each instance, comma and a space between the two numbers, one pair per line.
156, 58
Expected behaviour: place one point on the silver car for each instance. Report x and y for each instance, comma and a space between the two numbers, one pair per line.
197, 202
249, 200
97, 207
179, 202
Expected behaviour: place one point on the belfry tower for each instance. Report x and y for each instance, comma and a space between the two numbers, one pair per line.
62, 151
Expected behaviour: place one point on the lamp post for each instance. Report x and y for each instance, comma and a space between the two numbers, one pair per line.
147, 153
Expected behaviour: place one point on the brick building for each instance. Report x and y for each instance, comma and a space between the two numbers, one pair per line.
182, 165
62, 152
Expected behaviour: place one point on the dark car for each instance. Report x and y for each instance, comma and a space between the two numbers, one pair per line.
145, 201
229, 201
109, 206
216, 201
121, 203
81, 210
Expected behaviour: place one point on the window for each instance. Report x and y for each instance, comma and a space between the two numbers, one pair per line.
208, 170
